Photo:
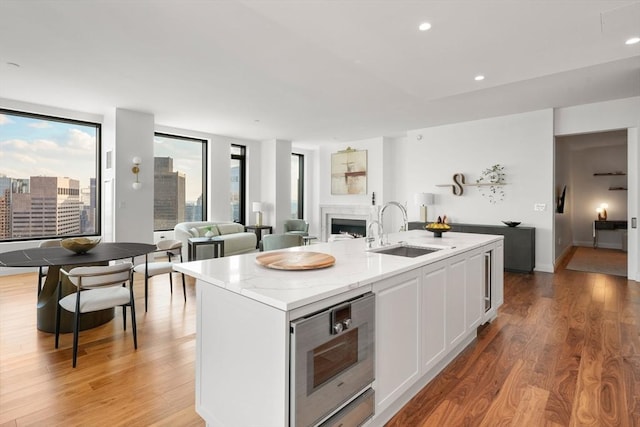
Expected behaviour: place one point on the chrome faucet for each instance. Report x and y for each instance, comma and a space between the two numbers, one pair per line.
370, 239
405, 221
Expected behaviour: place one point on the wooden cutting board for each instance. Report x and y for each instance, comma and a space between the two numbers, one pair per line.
295, 260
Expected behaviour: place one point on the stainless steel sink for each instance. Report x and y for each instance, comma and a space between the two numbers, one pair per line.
405, 250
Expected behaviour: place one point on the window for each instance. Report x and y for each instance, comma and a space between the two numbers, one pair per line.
297, 186
49, 177
238, 161
179, 180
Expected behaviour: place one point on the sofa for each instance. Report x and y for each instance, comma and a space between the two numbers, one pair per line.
236, 240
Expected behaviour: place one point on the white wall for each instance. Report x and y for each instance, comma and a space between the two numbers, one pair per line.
399, 168
522, 143
133, 208
612, 115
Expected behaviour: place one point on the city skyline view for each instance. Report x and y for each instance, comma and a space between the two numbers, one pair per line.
187, 158
31, 146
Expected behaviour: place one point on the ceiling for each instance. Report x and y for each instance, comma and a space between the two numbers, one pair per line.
317, 71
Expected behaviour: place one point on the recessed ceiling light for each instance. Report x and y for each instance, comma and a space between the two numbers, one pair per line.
478, 78
424, 26
633, 40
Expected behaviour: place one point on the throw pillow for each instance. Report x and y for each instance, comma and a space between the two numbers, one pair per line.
203, 230
230, 228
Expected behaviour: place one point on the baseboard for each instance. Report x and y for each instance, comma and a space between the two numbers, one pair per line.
563, 258
600, 245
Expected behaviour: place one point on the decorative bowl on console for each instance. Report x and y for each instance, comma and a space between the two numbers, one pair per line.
511, 223
80, 245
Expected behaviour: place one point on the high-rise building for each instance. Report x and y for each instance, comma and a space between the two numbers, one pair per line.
5, 207
50, 208
88, 213
169, 194
8, 188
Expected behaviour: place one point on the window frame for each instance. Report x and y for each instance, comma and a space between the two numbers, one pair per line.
98, 169
300, 184
242, 185
205, 147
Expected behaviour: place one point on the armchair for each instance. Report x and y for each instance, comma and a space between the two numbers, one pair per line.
296, 226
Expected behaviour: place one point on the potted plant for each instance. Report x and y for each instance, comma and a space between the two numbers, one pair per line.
490, 183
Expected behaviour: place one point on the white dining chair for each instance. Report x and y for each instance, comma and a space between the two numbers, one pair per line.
97, 288
172, 249
43, 270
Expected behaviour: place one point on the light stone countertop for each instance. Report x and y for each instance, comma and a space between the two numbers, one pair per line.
354, 267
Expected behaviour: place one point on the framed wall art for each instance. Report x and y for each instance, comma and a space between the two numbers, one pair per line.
349, 172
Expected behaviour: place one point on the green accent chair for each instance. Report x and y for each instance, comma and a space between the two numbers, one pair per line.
298, 227
271, 242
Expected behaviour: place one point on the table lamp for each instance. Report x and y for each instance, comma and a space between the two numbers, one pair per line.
423, 200
602, 212
257, 208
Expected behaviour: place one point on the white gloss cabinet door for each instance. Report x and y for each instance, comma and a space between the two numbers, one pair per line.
474, 289
497, 290
455, 310
432, 324
397, 363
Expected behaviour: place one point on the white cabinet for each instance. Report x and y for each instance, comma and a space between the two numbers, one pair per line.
432, 322
474, 283
495, 278
455, 301
425, 318
396, 336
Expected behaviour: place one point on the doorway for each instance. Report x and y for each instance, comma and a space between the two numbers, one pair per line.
591, 169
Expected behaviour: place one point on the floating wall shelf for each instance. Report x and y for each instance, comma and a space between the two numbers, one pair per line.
473, 185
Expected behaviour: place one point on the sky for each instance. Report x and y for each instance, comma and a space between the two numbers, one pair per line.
34, 147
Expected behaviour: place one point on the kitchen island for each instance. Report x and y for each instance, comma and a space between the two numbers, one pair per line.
427, 310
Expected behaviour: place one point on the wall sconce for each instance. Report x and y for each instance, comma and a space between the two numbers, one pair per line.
257, 208
423, 200
136, 170
602, 212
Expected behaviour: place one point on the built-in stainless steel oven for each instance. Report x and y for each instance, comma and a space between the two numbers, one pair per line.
332, 364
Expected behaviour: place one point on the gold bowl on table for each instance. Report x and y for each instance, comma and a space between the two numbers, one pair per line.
80, 245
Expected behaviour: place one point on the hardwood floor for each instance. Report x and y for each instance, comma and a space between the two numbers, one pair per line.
564, 351
113, 383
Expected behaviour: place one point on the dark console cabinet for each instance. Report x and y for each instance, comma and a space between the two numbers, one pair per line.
519, 242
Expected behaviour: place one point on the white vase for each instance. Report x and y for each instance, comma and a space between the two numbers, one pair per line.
208, 234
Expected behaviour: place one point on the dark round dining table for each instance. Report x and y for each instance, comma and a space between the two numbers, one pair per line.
58, 257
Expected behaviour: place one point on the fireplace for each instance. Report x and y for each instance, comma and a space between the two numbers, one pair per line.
354, 227
328, 213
